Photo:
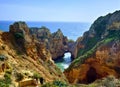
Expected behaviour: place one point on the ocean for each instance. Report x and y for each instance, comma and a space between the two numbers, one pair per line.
66, 61
72, 30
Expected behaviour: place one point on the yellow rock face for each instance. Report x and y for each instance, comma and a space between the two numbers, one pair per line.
35, 58
103, 63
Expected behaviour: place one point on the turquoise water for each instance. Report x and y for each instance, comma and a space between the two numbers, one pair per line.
70, 29
66, 61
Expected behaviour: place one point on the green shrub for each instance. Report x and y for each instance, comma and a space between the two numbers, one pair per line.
2, 57
19, 35
48, 85
55, 83
71, 41
7, 78
3, 83
19, 76
59, 83
90, 43
9, 71
6, 81
88, 53
36, 76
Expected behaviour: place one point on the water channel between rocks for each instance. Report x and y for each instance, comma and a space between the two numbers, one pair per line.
64, 62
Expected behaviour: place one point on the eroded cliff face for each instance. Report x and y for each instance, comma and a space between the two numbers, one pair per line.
102, 63
100, 29
98, 51
56, 42
24, 55
74, 47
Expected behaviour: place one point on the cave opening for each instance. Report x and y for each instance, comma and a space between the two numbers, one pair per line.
91, 75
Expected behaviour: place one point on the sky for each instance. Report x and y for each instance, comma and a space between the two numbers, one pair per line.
56, 10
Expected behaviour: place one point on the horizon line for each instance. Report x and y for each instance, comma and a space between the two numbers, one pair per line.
46, 21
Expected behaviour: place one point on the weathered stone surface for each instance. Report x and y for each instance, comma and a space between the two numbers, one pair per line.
98, 51
32, 56
56, 42
29, 82
104, 61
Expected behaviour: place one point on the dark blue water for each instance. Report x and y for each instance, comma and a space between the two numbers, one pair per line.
70, 29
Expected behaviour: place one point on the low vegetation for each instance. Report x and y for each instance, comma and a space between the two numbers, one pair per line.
2, 57
55, 83
19, 76
7, 79
36, 76
92, 44
82, 58
71, 41
89, 43
19, 35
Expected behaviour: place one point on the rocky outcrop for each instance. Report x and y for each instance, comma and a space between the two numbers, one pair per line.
3, 66
99, 30
56, 42
20, 31
28, 44
73, 47
26, 55
29, 82
97, 51
101, 64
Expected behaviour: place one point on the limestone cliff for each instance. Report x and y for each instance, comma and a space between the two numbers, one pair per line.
23, 57
55, 42
98, 51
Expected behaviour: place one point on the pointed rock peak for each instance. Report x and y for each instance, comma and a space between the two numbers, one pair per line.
59, 31
44, 29
19, 26
58, 34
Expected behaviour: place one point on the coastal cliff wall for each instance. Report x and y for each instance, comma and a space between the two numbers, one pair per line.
98, 51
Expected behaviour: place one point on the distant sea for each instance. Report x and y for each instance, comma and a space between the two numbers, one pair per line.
72, 30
